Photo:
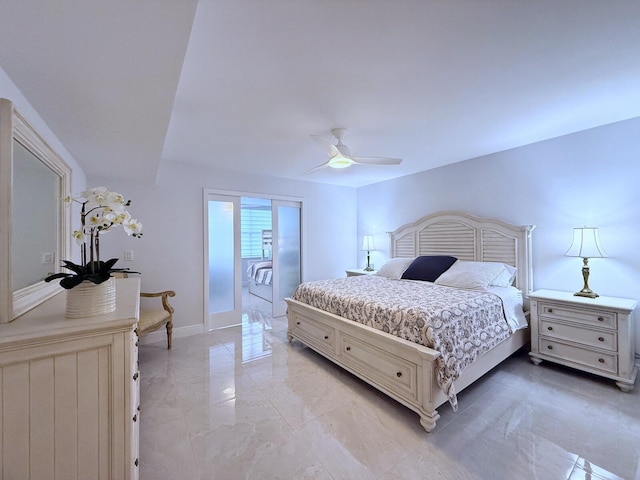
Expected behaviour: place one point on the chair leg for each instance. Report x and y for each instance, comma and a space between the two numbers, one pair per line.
169, 331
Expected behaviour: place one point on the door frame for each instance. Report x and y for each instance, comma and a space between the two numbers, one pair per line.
206, 192
230, 317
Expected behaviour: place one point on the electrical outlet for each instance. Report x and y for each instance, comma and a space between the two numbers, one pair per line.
128, 255
47, 258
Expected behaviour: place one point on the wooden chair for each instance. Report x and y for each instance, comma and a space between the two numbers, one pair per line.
153, 316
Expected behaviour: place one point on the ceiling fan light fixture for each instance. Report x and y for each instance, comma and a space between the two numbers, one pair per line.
340, 156
340, 162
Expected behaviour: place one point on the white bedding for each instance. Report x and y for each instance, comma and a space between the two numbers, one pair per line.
512, 303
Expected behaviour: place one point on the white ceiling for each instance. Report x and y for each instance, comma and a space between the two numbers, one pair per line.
242, 84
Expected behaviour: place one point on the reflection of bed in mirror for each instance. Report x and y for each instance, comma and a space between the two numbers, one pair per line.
260, 272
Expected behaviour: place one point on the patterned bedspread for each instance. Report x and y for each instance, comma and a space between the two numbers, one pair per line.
460, 324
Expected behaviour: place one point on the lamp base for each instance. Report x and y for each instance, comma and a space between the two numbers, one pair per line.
368, 268
586, 293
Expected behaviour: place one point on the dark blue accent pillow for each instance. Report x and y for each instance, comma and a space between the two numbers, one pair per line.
428, 267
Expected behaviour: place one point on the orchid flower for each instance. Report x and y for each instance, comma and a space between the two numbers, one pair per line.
101, 210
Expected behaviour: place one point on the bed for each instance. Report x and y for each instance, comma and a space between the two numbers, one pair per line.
410, 372
260, 272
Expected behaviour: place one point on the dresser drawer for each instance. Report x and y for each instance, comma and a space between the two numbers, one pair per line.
604, 339
602, 361
583, 316
315, 334
390, 371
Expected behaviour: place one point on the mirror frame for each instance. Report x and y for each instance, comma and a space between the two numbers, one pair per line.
14, 126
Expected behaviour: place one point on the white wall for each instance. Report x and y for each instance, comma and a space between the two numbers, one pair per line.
170, 253
10, 91
587, 178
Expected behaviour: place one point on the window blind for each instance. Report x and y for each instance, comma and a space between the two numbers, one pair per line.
252, 222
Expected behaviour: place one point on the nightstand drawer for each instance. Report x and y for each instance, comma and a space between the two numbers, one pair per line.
572, 314
602, 361
597, 338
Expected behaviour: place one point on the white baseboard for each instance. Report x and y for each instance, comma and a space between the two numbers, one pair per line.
161, 334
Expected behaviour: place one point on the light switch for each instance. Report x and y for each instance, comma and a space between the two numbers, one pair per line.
128, 255
47, 258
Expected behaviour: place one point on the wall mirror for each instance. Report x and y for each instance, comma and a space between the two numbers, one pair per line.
34, 222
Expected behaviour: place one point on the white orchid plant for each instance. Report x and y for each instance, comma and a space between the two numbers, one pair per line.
101, 210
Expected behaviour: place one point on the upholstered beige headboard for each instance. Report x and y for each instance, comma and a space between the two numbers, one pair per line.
468, 237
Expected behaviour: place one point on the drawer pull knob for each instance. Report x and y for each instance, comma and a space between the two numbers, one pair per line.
398, 374
136, 462
550, 347
135, 418
550, 310
297, 323
601, 360
601, 339
135, 376
549, 328
348, 349
326, 337
601, 319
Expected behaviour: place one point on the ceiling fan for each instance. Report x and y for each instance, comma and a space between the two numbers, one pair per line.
340, 156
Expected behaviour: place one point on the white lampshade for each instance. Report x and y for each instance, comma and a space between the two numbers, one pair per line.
367, 243
586, 243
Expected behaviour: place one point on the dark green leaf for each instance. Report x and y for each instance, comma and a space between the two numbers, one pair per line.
72, 281
57, 275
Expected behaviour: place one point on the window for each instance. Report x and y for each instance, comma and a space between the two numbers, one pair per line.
255, 216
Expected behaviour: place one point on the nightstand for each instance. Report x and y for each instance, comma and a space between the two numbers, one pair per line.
354, 272
594, 335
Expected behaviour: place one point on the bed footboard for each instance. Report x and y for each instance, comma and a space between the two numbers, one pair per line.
260, 290
403, 370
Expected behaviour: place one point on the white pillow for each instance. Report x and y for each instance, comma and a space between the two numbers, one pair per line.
506, 277
395, 267
471, 275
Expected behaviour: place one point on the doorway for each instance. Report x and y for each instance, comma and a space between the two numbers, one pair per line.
252, 242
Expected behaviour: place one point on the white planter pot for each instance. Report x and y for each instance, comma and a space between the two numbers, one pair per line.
89, 299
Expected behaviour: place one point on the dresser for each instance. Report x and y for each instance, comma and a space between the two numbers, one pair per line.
595, 335
69, 392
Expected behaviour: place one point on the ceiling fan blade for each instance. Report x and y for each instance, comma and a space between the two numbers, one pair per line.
340, 157
377, 160
311, 170
326, 145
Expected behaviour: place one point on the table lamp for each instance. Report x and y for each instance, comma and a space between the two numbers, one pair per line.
586, 245
368, 246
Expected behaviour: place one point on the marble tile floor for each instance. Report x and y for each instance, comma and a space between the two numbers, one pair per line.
244, 403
